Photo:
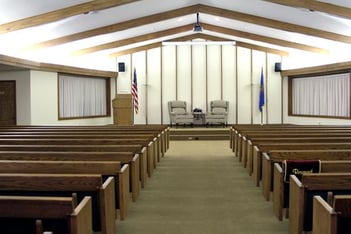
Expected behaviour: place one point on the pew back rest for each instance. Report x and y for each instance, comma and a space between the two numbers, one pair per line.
103, 193
48, 208
60, 167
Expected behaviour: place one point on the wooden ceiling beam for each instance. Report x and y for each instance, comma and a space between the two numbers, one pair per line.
132, 40
262, 48
208, 27
253, 19
23, 63
204, 9
136, 49
314, 5
264, 39
117, 27
60, 14
200, 36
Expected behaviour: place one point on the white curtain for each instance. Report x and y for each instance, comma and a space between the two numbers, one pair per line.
322, 95
81, 96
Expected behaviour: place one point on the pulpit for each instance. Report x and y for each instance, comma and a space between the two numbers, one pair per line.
123, 111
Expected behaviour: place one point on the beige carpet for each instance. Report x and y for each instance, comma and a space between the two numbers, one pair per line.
199, 187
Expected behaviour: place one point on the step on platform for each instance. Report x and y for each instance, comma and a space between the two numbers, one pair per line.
180, 133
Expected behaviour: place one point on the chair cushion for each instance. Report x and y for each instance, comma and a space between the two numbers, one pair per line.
178, 104
178, 110
218, 110
219, 103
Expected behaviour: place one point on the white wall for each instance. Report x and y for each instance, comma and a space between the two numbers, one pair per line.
37, 99
196, 74
199, 74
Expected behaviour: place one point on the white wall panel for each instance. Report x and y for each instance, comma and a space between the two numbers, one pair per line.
244, 85
43, 94
184, 74
214, 73
124, 78
229, 79
139, 63
168, 57
199, 76
153, 86
274, 92
258, 63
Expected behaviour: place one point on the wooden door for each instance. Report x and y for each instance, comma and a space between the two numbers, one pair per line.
7, 102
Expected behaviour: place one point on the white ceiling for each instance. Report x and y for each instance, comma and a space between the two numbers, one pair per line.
14, 43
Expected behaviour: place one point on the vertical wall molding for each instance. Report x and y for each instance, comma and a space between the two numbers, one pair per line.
161, 83
221, 71
206, 59
236, 86
282, 95
191, 79
266, 88
146, 88
251, 82
176, 71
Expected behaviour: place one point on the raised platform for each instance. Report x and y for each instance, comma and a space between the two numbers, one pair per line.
187, 133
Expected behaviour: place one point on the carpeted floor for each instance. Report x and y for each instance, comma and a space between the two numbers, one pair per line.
199, 187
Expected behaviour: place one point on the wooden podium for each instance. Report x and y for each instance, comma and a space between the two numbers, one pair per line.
123, 111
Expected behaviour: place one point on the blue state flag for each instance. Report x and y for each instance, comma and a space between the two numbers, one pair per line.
261, 98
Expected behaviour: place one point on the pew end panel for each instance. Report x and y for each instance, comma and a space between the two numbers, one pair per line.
81, 217
124, 186
278, 195
143, 158
135, 178
266, 180
249, 157
296, 206
256, 165
150, 158
107, 208
324, 217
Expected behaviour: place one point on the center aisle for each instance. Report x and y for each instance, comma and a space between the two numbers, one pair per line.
199, 187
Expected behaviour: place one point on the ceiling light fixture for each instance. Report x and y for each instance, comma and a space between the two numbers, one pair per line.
197, 26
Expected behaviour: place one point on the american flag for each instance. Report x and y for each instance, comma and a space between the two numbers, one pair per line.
135, 92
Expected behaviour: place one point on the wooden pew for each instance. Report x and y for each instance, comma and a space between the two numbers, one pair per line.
103, 197
151, 147
302, 193
76, 218
247, 145
104, 168
128, 158
161, 132
279, 196
254, 140
332, 218
137, 167
255, 158
240, 133
279, 156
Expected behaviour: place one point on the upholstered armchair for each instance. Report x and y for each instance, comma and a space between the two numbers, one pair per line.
218, 113
178, 113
